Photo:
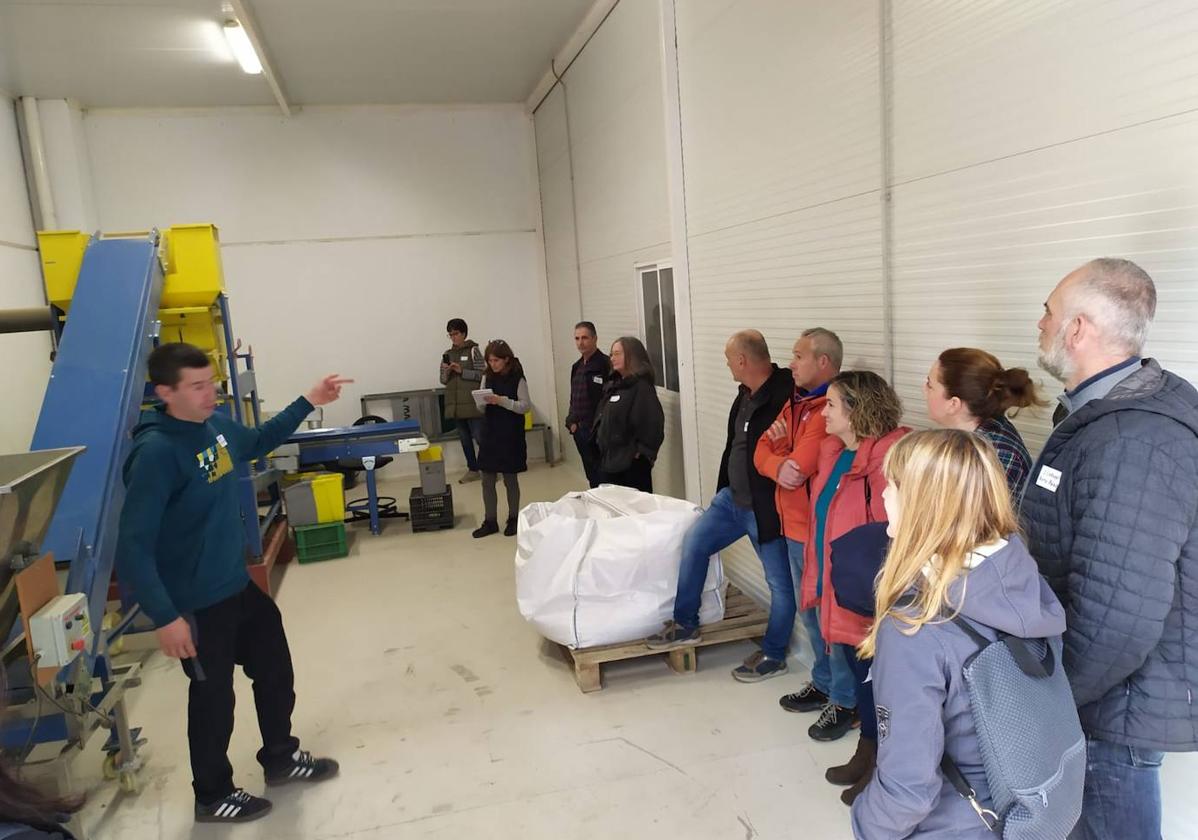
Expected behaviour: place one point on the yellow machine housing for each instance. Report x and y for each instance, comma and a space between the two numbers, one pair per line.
193, 281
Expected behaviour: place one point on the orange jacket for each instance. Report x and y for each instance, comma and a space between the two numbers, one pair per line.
847, 511
805, 428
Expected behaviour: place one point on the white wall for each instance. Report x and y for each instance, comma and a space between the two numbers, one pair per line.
781, 147
26, 355
561, 251
606, 127
69, 163
1025, 139
1028, 140
349, 235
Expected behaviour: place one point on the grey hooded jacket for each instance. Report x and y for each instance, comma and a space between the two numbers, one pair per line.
923, 704
1111, 514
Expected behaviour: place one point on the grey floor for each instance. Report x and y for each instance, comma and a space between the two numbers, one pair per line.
452, 719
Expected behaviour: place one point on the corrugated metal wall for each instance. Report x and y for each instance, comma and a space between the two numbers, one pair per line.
612, 102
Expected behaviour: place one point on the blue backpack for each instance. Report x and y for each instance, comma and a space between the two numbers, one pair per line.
1032, 744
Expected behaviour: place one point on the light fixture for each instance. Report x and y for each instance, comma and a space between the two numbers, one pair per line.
243, 50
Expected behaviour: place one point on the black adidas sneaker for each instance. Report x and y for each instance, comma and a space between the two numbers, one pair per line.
237, 807
304, 768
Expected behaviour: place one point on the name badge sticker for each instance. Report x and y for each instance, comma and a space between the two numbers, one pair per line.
615, 398
1049, 479
598, 380
221, 440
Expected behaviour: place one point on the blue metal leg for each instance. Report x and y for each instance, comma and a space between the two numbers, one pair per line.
373, 493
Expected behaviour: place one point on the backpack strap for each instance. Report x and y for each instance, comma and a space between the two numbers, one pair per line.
1027, 661
989, 818
970, 631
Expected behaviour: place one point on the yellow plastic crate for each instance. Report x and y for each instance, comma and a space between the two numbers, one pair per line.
61, 252
329, 492
433, 453
193, 269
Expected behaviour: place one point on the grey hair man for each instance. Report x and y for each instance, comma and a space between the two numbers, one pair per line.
1112, 519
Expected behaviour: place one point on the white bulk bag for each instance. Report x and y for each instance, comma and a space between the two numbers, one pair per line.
601, 566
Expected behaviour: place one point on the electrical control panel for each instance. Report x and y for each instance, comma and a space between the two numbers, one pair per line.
61, 631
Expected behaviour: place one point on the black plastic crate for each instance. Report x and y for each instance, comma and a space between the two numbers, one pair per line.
431, 512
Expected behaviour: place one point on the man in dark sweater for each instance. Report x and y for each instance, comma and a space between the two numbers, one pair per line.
587, 376
743, 507
181, 549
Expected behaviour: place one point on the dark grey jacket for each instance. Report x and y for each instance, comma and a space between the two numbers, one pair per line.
923, 705
1111, 514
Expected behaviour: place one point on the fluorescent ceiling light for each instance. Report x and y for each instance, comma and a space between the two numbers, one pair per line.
242, 49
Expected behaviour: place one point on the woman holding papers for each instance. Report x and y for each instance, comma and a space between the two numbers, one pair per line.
629, 425
504, 399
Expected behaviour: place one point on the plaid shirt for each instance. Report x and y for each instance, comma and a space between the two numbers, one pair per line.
586, 386
1012, 454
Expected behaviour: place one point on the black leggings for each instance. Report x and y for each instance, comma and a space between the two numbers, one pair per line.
865, 692
511, 481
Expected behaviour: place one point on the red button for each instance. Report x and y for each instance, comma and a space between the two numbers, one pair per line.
77, 644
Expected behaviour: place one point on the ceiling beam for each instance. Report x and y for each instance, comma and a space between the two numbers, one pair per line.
241, 10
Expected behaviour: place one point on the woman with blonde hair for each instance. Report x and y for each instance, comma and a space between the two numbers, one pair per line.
956, 550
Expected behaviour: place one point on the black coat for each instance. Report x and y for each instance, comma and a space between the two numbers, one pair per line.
779, 388
629, 422
1111, 514
503, 448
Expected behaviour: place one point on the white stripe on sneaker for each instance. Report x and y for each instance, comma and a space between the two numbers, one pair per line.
220, 812
235, 812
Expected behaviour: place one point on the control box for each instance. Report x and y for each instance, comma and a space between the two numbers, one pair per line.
60, 631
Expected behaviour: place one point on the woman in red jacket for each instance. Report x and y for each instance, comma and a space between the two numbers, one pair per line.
862, 414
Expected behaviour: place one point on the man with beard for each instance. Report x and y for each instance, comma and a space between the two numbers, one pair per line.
1111, 514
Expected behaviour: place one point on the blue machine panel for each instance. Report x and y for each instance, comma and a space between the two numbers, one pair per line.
93, 399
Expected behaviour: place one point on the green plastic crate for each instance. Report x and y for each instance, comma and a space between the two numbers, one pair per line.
325, 541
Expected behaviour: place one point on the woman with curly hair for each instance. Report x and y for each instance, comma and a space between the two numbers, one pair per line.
862, 415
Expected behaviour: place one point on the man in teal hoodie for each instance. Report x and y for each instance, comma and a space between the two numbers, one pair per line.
181, 549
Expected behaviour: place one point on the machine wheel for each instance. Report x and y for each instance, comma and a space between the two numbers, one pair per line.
110, 771
129, 783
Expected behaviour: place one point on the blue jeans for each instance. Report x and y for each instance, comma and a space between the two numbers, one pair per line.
866, 712
471, 432
830, 674
720, 526
1123, 793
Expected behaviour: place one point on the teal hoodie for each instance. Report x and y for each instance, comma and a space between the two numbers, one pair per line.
181, 545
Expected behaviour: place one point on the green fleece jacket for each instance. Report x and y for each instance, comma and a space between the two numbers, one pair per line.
181, 544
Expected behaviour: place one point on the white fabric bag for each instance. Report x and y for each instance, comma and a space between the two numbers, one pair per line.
601, 566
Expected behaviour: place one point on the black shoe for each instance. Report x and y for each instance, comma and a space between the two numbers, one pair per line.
834, 721
758, 667
510, 529
304, 768
673, 635
806, 699
237, 807
486, 529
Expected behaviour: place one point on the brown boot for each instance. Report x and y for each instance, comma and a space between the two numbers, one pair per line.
859, 765
848, 796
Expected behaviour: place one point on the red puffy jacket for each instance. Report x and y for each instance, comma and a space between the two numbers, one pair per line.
847, 511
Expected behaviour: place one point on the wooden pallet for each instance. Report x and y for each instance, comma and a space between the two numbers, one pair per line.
743, 619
